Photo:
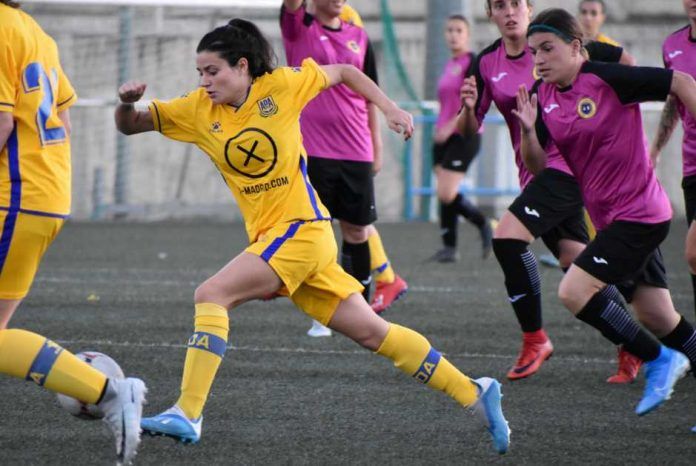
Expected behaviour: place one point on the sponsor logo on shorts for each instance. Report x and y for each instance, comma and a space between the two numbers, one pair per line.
532, 212
600, 260
267, 186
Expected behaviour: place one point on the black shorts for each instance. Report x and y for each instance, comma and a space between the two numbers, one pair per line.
627, 254
457, 152
550, 207
689, 187
345, 187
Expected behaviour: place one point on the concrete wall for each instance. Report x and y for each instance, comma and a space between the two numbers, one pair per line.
171, 179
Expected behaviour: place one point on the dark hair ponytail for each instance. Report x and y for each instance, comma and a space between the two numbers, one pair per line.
10, 4
240, 38
557, 21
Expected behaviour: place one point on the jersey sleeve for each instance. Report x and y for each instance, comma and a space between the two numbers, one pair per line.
176, 118
9, 72
306, 81
483, 102
600, 51
542, 131
66, 93
293, 23
370, 64
634, 84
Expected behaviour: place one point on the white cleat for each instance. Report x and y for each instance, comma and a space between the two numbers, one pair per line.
319, 330
123, 407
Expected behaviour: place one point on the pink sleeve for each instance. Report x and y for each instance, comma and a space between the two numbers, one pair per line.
292, 22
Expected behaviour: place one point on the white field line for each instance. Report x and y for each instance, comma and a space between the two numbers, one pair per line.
358, 352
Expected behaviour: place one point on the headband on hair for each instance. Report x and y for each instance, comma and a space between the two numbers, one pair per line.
546, 28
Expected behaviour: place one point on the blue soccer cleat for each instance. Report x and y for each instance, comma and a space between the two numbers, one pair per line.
661, 375
173, 423
488, 407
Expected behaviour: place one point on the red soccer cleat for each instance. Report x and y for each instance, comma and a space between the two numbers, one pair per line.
536, 348
629, 365
387, 293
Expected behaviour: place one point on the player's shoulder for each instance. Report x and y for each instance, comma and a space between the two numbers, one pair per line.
679, 32
490, 49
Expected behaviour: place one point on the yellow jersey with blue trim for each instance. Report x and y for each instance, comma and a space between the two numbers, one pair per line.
35, 162
257, 147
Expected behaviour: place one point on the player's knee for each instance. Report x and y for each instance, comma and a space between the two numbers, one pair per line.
354, 233
208, 292
570, 296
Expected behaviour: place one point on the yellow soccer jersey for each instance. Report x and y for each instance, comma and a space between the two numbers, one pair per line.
258, 147
35, 162
607, 40
349, 15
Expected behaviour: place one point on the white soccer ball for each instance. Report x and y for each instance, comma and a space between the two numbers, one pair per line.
102, 363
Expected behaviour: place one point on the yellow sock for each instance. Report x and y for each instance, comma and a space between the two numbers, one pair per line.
29, 356
206, 347
412, 353
378, 258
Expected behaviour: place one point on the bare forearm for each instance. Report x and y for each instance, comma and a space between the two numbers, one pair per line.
131, 121
373, 122
467, 123
360, 83
533, 155
668, 121
6, 127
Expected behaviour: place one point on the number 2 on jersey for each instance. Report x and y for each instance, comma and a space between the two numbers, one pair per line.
36, 79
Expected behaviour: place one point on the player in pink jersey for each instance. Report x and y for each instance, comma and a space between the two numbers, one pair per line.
590, 112
550, 205
679, 53
452, 152
341, 133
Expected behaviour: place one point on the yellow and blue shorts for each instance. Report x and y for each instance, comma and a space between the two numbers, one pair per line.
303, 254
24, 238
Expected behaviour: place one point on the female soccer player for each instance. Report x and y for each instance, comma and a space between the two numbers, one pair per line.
452, 152
590, 112
35, 97
257, 146
679, 53
550, 205
343, 140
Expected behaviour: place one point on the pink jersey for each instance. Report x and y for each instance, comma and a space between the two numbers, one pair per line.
450, 85
679, 53
498, 77
335, 124
596, 124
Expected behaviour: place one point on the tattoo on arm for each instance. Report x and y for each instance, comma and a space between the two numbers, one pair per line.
668, 121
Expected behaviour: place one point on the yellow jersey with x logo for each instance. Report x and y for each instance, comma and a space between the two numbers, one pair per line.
258, 147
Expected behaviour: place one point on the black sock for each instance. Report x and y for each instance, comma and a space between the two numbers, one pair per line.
693, 286
683, 339
355, 259
469, 211
617, 326
448, 224
522, 281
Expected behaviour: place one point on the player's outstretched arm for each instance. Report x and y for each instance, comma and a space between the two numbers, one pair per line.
399, 120
533, 155
128, 119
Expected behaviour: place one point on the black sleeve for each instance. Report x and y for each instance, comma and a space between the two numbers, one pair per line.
472, 65
476, 73
370, 64
633, 84
540, 128
599, 51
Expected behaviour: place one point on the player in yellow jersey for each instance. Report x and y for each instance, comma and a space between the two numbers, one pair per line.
592, 14
35, 96
245, 117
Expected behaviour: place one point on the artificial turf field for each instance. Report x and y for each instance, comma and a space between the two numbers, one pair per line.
284, 398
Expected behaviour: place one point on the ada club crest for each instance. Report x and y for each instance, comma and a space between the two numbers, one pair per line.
352, 45
267, 106
587, 108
